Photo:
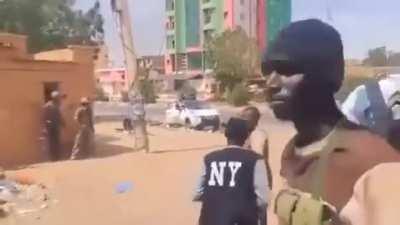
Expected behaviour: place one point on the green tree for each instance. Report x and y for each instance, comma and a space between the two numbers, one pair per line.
187, 92
377, 57
51, 24
394, 59
239, 95
146, 87
234, 57
100, 94
147, 90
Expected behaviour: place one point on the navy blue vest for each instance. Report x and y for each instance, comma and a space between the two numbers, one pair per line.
229, 186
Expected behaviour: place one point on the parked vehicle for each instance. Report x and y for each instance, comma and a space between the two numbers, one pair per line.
193, 114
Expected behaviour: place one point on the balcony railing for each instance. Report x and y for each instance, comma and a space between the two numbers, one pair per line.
207, 4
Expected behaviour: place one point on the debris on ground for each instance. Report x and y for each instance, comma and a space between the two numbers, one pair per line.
124, 187
23, 197
8, 190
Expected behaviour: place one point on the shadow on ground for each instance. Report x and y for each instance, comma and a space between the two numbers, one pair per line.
104, 147
164, 151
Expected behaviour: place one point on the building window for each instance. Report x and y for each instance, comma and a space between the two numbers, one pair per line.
208, 16
171, 23
48, 88
170, 5
242, 17
170, 42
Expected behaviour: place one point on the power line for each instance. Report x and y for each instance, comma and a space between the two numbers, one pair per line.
329, 11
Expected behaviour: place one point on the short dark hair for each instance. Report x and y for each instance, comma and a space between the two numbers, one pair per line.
253, 110
237, 130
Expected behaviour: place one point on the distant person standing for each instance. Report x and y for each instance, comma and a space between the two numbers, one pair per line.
233, 187
53, 123
136, 111
84, 141
258, 139
138, 117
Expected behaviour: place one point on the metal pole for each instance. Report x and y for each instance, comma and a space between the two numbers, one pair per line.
127, 42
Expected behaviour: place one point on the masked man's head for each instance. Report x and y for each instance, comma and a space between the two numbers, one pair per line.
305, 68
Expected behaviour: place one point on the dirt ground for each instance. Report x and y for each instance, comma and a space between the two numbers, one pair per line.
163, 181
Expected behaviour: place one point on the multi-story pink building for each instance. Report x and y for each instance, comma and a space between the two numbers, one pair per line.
249, 15
190, 22
113, 81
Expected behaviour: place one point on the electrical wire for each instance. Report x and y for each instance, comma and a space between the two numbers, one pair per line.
329, 15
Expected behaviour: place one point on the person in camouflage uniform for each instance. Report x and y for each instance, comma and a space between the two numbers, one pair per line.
84, 141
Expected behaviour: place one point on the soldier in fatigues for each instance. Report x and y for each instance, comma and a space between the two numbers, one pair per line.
53, 123
84, 143
233, 187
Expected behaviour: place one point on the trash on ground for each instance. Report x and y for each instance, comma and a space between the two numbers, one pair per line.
22, 199
31, 210
22, 178
124, 187
8, 191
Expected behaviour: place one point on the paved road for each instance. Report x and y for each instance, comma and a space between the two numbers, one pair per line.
156, 112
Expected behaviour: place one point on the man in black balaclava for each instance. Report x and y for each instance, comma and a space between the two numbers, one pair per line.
305, 68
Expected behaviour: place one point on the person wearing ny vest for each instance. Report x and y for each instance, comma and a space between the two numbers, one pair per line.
233, 187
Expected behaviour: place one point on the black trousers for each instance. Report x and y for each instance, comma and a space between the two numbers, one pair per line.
54, 143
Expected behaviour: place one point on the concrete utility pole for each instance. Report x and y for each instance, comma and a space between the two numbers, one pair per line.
121, 8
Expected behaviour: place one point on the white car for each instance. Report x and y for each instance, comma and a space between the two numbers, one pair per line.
193, 114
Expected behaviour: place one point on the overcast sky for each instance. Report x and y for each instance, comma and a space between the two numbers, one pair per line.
363, 24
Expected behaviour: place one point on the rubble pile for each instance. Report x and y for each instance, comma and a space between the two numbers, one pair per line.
17, 199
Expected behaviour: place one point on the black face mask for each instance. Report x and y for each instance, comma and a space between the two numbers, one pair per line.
310, 105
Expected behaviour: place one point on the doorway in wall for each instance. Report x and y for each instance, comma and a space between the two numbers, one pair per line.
48, 88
